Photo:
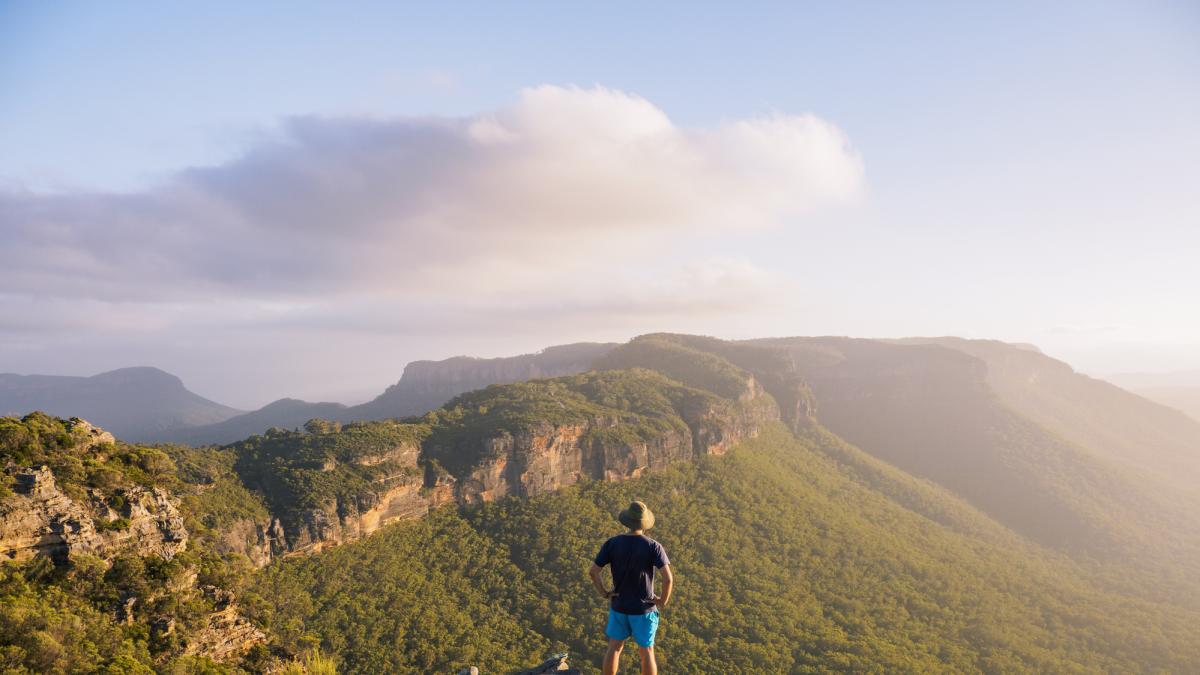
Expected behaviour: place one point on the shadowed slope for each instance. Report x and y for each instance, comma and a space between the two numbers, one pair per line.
1114, 423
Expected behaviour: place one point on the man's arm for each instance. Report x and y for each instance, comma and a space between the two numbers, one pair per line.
668, 580
595, 573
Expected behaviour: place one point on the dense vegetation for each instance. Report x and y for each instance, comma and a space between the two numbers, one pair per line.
787, 560
668, 355
636, 405
66, 447
65, 618
326, 462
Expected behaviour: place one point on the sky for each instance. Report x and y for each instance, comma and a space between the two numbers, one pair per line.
297, 199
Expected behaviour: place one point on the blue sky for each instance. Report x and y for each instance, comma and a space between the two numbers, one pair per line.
1029, 173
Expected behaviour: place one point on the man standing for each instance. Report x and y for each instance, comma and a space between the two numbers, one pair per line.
633, 606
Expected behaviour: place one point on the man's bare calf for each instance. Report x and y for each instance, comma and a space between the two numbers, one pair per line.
612, 658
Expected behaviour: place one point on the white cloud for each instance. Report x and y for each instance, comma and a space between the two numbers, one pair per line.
568, 202
347, 203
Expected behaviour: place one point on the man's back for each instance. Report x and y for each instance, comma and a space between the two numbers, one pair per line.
633, 558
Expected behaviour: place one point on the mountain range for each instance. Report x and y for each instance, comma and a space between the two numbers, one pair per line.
830, 503
144, 404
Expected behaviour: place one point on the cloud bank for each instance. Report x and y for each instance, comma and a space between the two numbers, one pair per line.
568, 201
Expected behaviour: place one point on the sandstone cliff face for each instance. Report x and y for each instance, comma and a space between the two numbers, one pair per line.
338, 521
397, 495
532, 461
39, 519
550, 457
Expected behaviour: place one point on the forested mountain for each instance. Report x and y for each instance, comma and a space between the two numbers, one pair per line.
828, 504
933, 412
136, 404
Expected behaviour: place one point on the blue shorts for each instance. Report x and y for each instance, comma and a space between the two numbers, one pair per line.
641, 626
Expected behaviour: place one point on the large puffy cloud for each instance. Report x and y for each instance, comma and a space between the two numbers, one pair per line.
340, 204
575, 205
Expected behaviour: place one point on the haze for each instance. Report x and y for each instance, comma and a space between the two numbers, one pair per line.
296, 200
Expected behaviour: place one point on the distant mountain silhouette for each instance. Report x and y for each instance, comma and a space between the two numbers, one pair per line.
286, 413
425, 385
428, 384
136, 404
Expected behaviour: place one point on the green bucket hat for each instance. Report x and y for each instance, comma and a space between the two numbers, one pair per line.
637, 517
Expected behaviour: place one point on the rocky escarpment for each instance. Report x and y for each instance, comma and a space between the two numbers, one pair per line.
546, 457
115, 519
40, 519
333, 484
340, 519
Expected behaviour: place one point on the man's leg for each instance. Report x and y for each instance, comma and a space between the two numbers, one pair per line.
649, 667
612, 657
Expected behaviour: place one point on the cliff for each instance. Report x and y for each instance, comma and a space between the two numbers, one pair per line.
226, 634
545, 457
39, 519
330, 483
113, 520
334, 484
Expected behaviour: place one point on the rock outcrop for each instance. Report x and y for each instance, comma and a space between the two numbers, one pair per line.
556, 664
227, 634
338, 520
550, 457
39, 519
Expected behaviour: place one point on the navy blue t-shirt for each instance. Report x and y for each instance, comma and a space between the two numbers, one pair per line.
633, 558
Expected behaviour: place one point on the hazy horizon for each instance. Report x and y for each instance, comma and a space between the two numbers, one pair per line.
212, 191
